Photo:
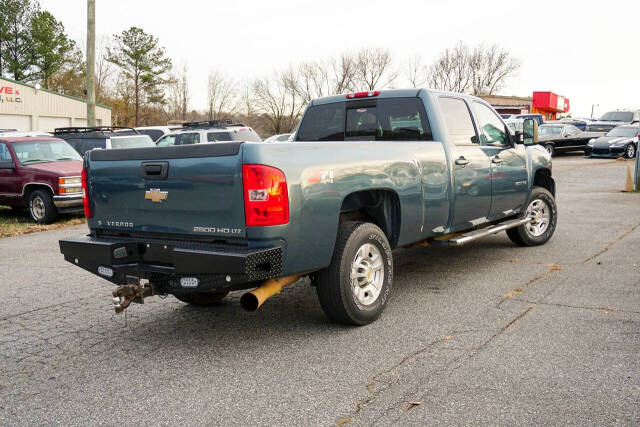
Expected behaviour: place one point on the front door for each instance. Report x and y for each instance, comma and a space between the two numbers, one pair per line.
509, 177
9, 181
471, 166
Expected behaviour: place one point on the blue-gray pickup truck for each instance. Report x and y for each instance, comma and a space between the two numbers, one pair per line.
365, 173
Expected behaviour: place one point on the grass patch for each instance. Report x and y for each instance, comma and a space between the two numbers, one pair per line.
15, 223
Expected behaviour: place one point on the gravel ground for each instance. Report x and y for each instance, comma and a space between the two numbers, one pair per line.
487, 333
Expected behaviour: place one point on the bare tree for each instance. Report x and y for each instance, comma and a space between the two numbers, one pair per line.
490, 68
221, 94
276, 98
481, 70
451, 70
104, 69
178, 93
343, 71
415, 71
373, 69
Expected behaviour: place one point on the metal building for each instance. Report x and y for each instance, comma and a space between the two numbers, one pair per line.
25, 107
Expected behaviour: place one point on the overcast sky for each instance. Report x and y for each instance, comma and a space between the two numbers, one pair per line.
587, 51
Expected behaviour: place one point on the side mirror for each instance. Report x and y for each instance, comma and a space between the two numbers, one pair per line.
7, 164
530, 132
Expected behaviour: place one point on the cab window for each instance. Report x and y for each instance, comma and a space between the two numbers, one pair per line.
5, 155
493, 130
458, 119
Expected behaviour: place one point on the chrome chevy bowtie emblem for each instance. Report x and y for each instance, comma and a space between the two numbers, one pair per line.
155, 195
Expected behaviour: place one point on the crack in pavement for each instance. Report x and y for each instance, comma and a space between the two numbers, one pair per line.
606, 309
513, 292
610, 244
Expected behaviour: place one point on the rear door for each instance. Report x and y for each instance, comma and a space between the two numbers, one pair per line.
509, 185
471, 165
181, 190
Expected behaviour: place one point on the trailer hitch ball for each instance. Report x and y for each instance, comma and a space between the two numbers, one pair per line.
124, 295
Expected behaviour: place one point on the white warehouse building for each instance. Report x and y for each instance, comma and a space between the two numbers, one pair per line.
29, 108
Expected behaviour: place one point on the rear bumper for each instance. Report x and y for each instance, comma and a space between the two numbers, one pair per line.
165, 263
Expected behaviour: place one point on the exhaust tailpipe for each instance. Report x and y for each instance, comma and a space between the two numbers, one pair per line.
251, 301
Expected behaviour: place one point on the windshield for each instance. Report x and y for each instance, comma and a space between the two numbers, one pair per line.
32, 152
549, 130
133, 141
617, 116
515, 126
628, 132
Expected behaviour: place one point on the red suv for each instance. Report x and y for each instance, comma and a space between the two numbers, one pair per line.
41, 173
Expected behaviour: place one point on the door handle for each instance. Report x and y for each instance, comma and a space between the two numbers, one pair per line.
496, 160
461, 161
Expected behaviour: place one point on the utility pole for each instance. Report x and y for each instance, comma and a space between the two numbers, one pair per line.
91, 63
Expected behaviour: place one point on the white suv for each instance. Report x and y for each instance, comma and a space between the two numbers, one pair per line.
209, 131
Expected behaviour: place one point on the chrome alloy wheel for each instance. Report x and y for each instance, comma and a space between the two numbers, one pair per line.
540, 215
631, 151
37, 208
367, 274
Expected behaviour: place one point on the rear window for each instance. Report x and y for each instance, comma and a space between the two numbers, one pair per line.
245, 134
219, 136
188, 138
395, 119
155, 134
137, 141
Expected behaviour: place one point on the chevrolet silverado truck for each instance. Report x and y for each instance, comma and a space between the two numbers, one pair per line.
366, 172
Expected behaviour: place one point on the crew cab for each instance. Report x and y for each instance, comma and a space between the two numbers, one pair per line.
366, 172
41, 173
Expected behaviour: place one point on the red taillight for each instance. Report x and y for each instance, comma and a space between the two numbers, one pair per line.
363, 94
266, 201
85, 195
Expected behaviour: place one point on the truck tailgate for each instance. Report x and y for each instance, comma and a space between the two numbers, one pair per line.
185, 190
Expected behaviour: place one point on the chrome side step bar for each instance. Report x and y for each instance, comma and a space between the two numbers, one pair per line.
484, 232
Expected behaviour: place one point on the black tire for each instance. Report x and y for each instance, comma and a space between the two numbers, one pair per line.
41, 207
333, 284
522, 235
630, 151
551, 149
202, 299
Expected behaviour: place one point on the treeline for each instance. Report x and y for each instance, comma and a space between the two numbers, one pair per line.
136, 78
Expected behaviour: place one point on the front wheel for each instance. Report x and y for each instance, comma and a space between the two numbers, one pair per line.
542, 210
41, 207
630, 151
355, 288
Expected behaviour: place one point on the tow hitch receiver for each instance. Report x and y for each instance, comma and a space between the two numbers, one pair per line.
124, 295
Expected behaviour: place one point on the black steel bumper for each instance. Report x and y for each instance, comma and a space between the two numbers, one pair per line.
165, 263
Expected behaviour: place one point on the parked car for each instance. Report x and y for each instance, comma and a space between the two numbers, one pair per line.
579, 123
537, 117
84, 139
621, 141
515, 124
155, 132
209, 131
611, 119
41, 173
508, 116
560, 137
283, 137
412, 168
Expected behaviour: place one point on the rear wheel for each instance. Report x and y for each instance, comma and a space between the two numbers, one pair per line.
542, 210
630, 151
41, 207
203, 299
355, 288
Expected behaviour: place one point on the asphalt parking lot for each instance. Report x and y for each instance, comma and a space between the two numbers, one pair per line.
487, 333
